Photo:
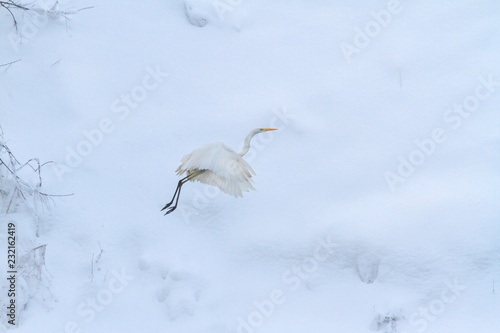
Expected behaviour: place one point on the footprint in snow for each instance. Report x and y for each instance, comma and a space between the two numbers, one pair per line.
367, 267
180, 294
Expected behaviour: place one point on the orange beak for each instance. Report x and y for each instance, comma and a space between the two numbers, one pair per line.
270, 129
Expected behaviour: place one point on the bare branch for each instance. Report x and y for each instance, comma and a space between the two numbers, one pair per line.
9, 5
19, 187
10, 63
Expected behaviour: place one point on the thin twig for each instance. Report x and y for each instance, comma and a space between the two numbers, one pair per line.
13, 166
56, 195
13, 4
8, 4
84, 8
11, 14
10, 63
100, 253
92, 268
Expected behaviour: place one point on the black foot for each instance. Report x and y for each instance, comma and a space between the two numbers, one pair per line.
170, 210
166, 206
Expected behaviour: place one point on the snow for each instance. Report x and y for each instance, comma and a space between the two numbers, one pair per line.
377, 199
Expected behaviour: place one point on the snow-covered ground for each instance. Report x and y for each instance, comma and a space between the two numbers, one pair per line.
377, 199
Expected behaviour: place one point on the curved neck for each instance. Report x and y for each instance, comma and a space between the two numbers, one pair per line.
246, 145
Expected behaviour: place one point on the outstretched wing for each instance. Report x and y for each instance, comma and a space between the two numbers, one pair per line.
221, 166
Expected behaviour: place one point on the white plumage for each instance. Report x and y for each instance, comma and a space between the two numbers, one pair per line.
218, 165
221, 166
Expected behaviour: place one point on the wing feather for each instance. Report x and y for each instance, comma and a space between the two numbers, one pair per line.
222, 167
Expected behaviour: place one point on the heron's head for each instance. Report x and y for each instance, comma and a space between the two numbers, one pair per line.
246, 145
267, 129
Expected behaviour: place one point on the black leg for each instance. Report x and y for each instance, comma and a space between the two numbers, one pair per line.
171, 209
178, 191
175, 193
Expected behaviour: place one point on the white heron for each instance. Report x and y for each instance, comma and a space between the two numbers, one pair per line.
218, 165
